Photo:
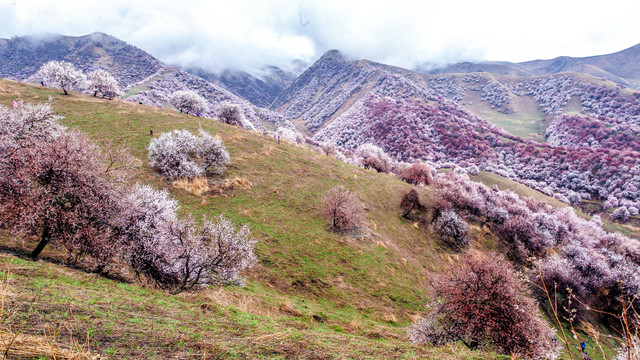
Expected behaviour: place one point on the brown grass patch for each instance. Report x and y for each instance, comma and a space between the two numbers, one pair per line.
226, 186
197, 186
243, 302
286, 307
389, 317
22, 346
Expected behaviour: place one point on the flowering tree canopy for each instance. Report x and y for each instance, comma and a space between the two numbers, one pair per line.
180, 154
61, 74
188, 101
102, 82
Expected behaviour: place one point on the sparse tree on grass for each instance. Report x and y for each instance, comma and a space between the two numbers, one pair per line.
342, 209
180, 154
417, 174
61, 74
179, 255
188, 101
56, 185
231, 114
59, 191
212, 254
484, 304
102, 82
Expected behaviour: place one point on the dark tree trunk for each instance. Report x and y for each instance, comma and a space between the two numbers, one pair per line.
65, 91
44, 240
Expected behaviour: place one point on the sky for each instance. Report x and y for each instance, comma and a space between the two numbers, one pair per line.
247, 35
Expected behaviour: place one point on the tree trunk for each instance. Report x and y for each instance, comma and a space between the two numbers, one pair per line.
44, 240
65, 91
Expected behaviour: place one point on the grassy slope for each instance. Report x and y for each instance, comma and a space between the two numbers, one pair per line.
313, 293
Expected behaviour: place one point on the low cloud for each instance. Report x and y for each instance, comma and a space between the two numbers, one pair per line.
247, 34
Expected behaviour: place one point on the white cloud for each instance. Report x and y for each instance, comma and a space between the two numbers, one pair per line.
248, 34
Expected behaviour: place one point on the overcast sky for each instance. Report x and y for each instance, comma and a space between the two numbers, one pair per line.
249, 34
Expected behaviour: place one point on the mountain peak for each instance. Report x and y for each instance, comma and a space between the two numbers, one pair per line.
334, 55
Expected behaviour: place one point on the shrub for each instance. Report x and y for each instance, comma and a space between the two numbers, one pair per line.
290, 135
342, 209
417, 174
180, 154
410, 202
620, 214
484, 304
451, 229
188, 101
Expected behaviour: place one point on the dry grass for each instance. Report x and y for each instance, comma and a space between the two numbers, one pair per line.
197, 186
227, 186
20, 346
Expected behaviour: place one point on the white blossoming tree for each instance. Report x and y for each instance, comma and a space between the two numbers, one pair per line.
61, 74
103, 83
189, 102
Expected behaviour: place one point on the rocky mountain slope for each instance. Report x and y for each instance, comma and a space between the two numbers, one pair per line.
20, 57
260, 91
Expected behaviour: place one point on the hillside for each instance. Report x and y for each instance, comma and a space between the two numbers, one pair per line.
144, 78
312, 292
462, 119
361, 291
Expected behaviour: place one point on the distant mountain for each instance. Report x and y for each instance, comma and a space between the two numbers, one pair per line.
146, 79
443, 119
20, 57
622, 67
260, 91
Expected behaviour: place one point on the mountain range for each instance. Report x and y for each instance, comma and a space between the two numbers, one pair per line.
495, 115
620, 67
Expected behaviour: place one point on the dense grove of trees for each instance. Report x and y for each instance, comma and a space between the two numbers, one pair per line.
598, 266
497, 95
581, 131
409, 131
60, 187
